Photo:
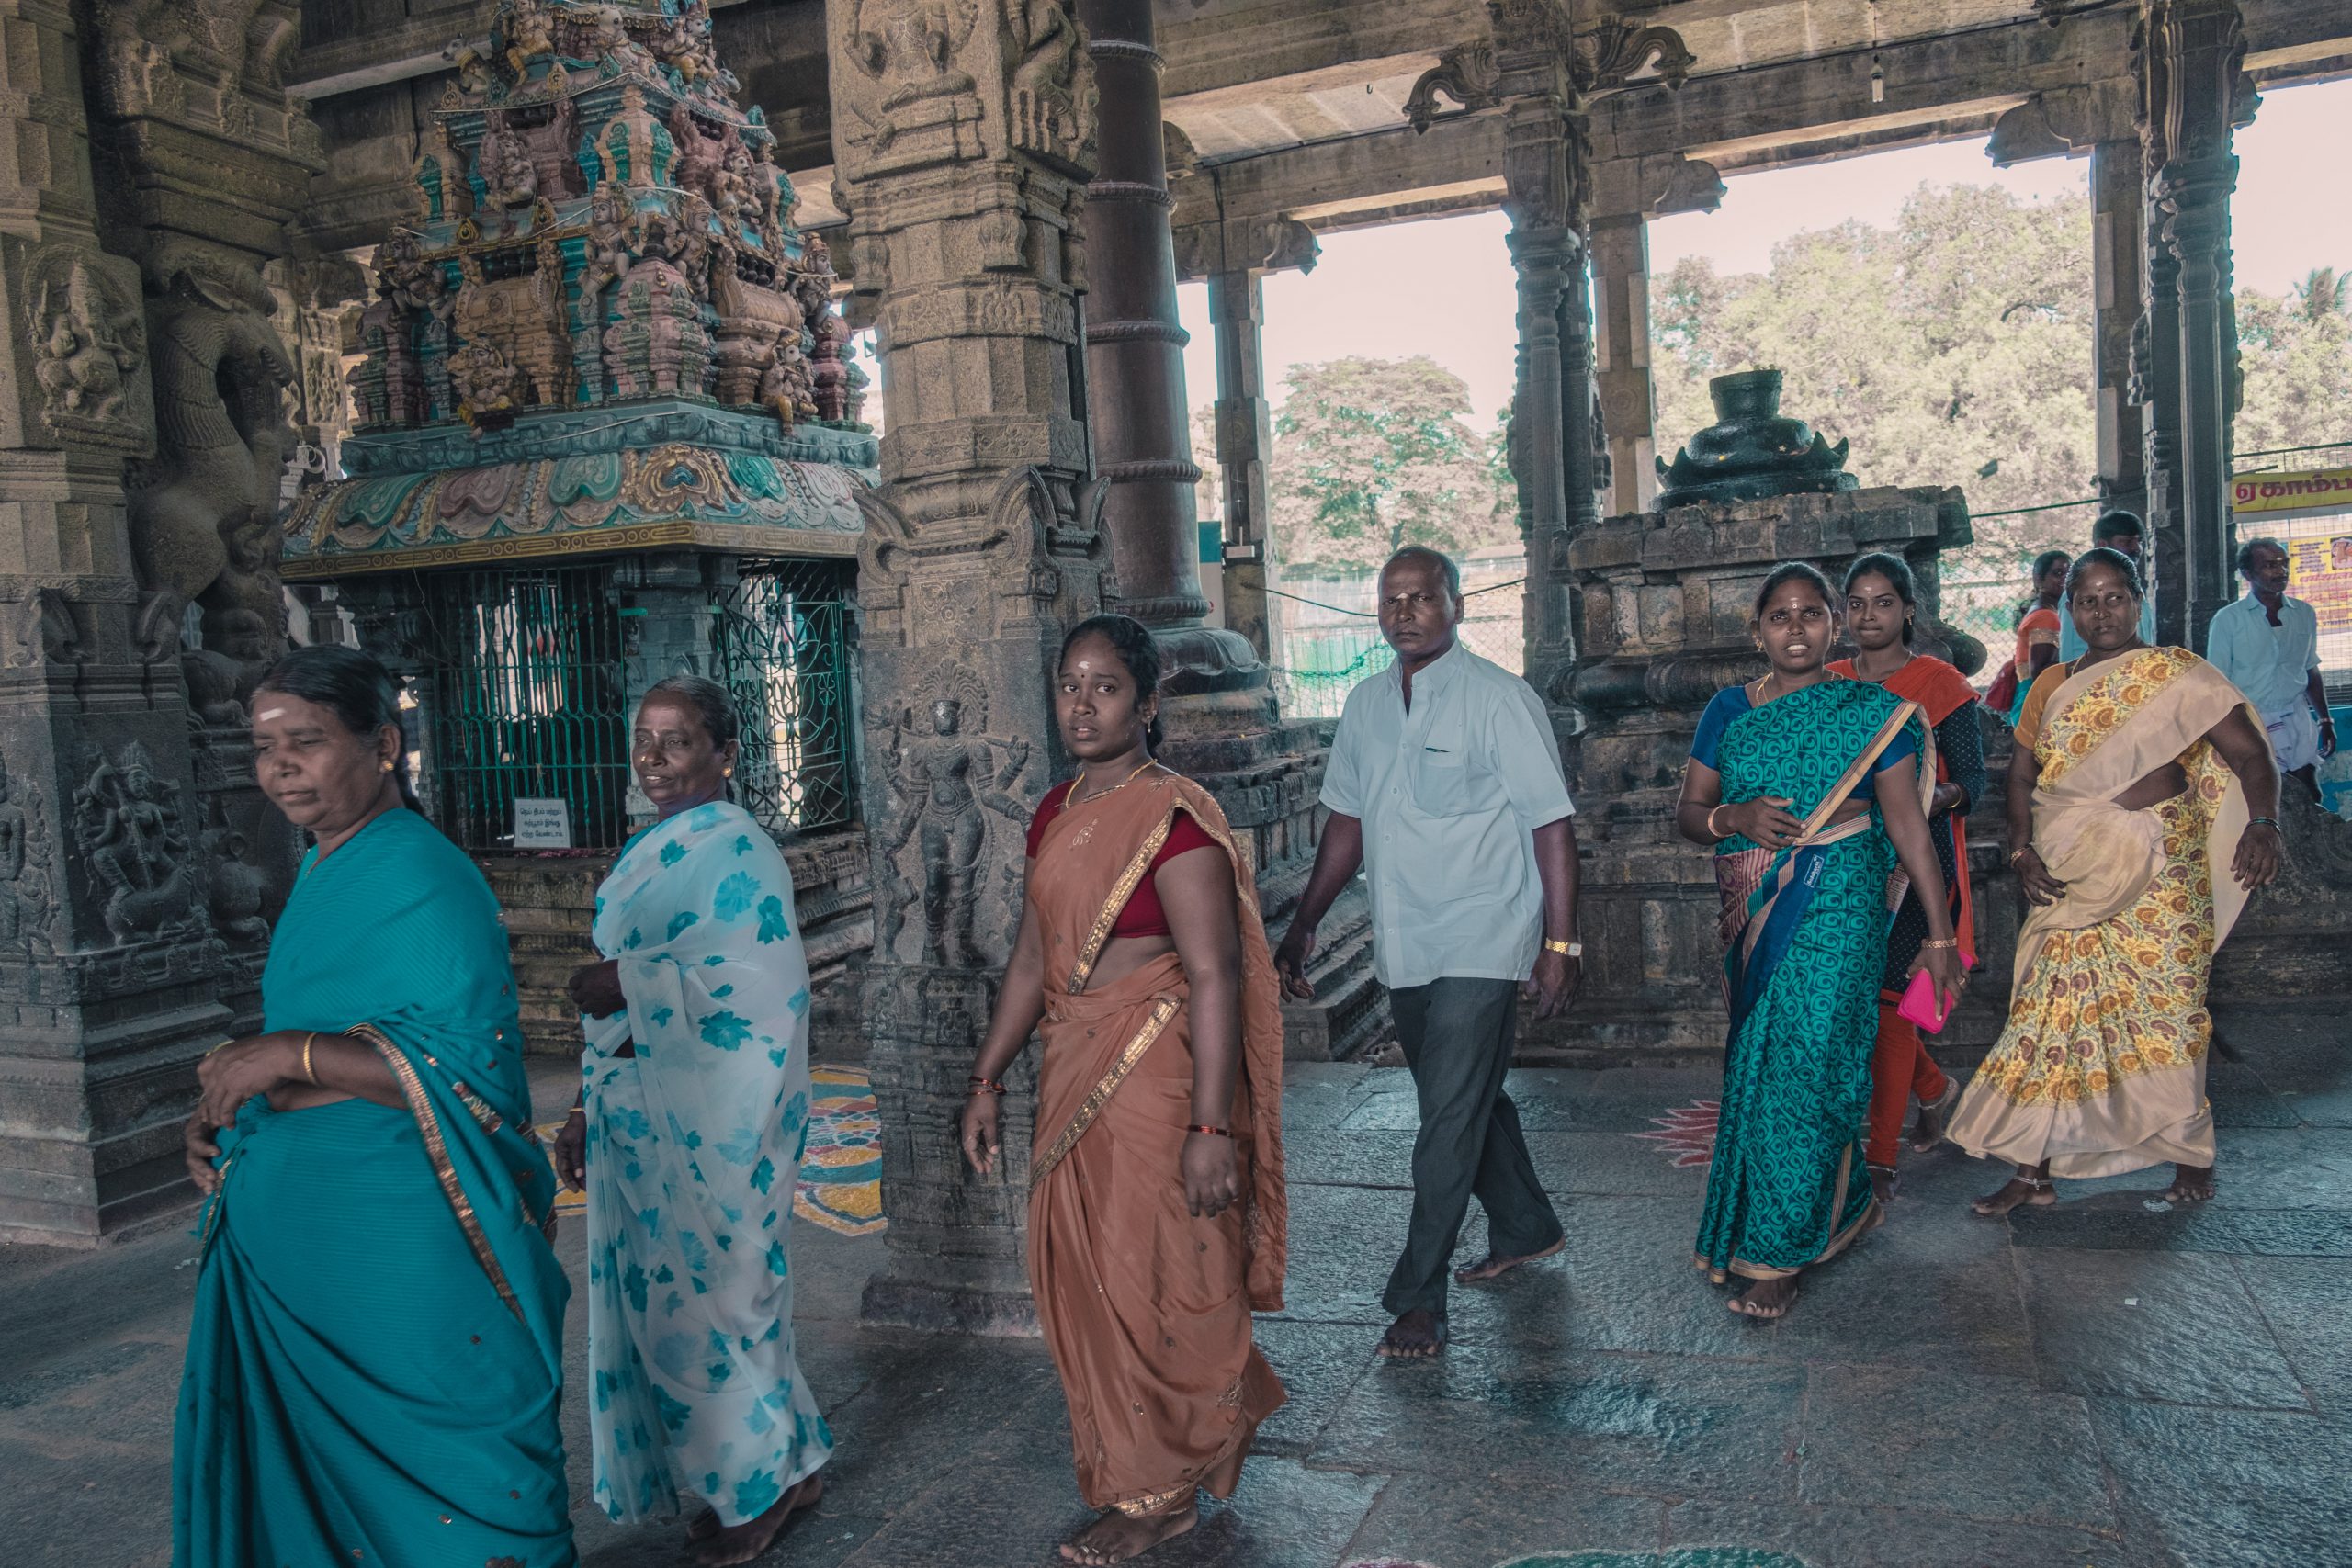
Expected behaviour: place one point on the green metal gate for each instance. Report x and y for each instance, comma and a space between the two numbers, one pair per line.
780, 643
529, 701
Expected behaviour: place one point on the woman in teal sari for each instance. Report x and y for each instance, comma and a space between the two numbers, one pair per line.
1810, 789
376, 1356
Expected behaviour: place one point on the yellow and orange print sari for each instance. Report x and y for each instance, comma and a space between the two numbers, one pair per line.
1145, 1306
2101, 1069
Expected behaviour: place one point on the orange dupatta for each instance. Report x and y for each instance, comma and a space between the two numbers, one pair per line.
1145, 1306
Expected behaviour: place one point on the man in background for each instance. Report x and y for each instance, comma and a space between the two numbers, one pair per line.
2116, 530
2267, 644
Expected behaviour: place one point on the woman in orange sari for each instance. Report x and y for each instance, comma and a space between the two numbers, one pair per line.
1156, 1207
1881, 602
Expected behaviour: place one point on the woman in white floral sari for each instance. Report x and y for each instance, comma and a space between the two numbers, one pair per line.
693, 1112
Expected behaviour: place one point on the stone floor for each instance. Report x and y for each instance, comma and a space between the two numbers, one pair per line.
2109, 1382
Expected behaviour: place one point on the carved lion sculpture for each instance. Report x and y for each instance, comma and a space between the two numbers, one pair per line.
204, 523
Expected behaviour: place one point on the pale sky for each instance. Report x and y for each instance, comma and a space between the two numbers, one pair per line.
1443, 288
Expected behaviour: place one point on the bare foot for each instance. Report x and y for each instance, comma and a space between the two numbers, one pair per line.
1766, 1298
1495, 1264
1114, 1537
2190, 1184
703, 1526
740, 1544
1882, 1184
2021, 1191
1415, 1337
1927, 1132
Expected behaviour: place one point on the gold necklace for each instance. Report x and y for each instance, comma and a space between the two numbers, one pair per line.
1071, 798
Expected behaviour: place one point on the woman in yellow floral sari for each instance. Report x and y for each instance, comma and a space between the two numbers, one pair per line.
2128, 805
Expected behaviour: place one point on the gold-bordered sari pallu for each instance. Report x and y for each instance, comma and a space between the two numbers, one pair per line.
1145, 1306
2101, 1067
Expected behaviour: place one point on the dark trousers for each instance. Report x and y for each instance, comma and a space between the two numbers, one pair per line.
1457, 1037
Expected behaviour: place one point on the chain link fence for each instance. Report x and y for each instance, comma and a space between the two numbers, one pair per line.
1326, 630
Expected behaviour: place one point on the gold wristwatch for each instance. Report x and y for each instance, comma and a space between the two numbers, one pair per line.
1569, 949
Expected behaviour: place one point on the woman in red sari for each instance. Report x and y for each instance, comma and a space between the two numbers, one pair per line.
1881, 602
1155, 1205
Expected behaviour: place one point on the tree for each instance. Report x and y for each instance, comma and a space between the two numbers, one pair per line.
1371, 455
1959, 338
2295, 353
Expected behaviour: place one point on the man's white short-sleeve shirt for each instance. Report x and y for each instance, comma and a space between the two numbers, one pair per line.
1450, 795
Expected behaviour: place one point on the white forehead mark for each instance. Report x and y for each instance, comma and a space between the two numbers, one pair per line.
267, 714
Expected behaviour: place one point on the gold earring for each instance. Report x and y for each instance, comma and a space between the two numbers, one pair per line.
385, 767
727, 772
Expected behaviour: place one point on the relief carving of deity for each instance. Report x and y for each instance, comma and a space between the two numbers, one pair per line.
127, 827
945, 781
86, 343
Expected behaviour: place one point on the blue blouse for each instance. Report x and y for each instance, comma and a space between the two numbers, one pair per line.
1731, 701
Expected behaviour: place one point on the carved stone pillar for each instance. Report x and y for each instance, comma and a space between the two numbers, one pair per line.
1244, 445
964, 143
1135, 365
2190, 61
2119, 228
135, 891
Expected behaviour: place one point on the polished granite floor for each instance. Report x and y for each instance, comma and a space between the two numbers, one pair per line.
2109, 1382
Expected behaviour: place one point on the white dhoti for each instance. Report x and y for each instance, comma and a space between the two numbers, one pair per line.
2294, 735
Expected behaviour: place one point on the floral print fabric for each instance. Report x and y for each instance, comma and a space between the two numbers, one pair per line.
693, 1146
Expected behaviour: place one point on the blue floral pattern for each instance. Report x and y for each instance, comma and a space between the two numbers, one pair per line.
690, 1302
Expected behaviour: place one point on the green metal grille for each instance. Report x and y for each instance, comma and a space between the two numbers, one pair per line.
529, 701
780, 643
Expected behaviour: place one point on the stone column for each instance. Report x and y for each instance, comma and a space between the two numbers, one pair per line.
963, 155
2118, 226
2191, 67
135, 882
1621, 281
1135, 366
1244, 446
1552, 426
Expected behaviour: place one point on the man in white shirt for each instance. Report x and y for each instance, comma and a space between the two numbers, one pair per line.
2267, 644
1444, 786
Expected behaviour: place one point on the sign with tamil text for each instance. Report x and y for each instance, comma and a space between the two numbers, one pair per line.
2316, 489
542, 823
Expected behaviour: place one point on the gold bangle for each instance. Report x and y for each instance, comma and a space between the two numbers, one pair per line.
1712, 831
308, 1040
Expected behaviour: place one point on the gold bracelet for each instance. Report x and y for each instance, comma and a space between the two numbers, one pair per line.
1712, 831
2018, 854
308, 1040
1948, 941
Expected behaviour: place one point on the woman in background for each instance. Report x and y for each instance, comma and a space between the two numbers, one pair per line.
1155, 1205
2038, 629
1881, 602
377, 1353
1809, 790
2128, 805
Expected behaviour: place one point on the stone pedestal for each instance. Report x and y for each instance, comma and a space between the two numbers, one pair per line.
1666, 599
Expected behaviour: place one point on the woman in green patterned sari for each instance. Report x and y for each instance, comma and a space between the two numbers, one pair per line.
377, 1350
1810, 789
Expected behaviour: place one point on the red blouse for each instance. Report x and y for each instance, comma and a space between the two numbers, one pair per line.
1143, 916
